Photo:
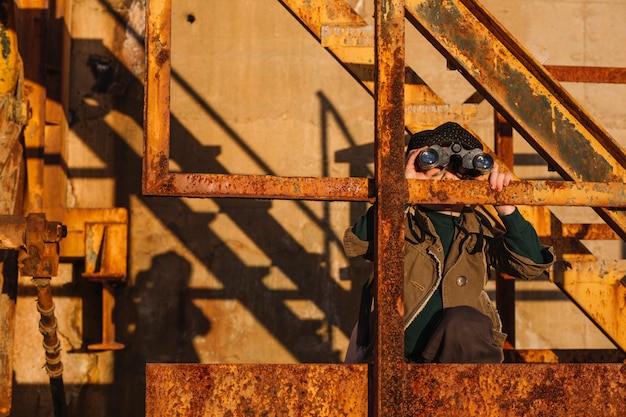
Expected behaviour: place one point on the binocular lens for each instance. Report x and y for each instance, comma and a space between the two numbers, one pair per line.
483, 163
428, 159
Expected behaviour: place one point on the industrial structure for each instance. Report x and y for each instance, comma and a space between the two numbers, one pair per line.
173, 196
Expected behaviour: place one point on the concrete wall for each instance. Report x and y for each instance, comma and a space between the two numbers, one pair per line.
253, 281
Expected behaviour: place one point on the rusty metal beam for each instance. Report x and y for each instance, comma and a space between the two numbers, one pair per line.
388, 398
77, 219
524, 91
239, 390
32, 26
541, 193
578, 74
594, 231
260, 186
517, 390
596, 287
202, 390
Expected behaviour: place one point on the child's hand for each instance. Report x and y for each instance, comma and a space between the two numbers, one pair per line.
497, 181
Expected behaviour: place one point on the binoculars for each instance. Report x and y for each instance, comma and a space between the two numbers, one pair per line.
465, 162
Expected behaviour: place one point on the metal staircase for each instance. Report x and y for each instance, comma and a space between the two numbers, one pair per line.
518, 87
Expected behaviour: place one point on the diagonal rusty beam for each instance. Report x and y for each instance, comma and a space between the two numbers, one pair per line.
524, 91
597, 287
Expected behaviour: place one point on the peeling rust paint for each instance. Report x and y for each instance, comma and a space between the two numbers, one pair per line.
256, 390
517, 390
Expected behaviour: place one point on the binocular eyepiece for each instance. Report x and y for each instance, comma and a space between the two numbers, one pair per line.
465, 162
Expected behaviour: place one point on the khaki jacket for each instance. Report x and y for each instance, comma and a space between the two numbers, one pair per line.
477, 247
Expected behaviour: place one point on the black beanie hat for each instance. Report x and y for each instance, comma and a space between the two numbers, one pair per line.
444, 135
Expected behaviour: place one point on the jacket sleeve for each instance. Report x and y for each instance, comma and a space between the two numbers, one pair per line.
358, 239
518, 251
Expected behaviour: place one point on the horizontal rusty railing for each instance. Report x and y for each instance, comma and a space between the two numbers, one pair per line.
205, 390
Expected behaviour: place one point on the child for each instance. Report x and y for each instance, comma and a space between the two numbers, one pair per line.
449, 251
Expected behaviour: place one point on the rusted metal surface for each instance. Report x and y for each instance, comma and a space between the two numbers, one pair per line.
524, 91
555, 193
157, 100
33, 24
48, 327
191, 390
260, 186
40, 254
349, 34
105, 262
12, 174
105, 251
39, 258
12, 168
576, 74
51, 344
77, 219
514, 390
391, 190
10, 66
256, 390
593, 231
595, 285
13, 232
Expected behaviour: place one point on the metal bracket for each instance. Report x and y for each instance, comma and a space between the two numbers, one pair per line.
105, 262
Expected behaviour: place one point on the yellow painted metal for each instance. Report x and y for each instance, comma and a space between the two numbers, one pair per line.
78, 220
12, 174
596, 287
10, 61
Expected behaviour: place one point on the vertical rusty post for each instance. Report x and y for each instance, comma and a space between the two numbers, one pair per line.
32, 32
505, 286
391, 193
157, 92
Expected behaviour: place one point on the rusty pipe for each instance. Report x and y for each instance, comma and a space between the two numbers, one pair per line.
51, 343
